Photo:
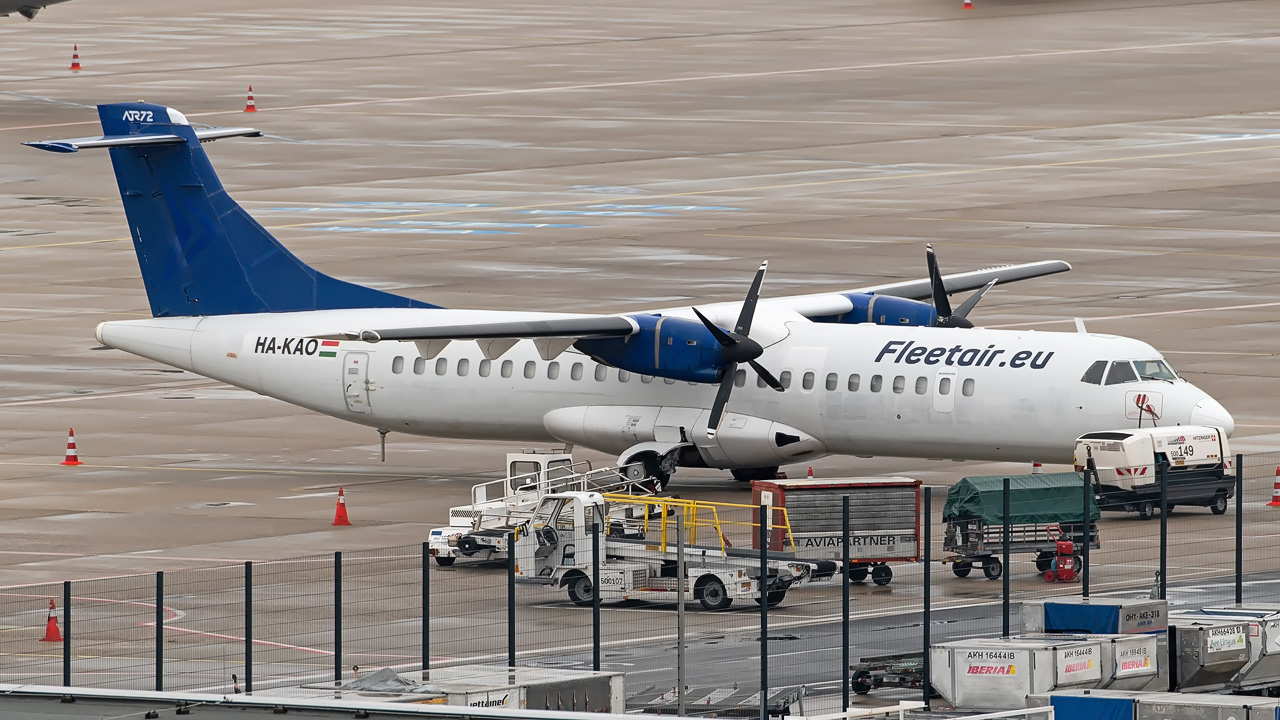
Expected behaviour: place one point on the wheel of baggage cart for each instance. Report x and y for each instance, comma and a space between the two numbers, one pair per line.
1146, 510
580, 590
881, 574
1219, 506
1044, 561
775, 598
1079, 563
1050, 576
861, 682
444, 560
858, 573
712, 594
992, 568
961, 568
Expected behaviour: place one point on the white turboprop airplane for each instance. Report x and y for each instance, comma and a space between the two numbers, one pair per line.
874, 371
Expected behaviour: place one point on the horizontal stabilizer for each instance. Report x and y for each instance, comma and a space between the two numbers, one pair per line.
110, 141
579, 327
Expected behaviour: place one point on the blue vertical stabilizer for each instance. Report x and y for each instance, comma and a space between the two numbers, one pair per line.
200, 252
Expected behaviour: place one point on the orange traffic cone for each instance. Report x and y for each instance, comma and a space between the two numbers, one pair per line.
73, 458
51, 633
340, 513
968, 5
248, 103
810, 472
1275, 491
75, 59
1037, 468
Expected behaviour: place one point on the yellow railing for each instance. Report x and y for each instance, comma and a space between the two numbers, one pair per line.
702, 518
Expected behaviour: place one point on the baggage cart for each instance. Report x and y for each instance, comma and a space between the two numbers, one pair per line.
974, 517
884, 520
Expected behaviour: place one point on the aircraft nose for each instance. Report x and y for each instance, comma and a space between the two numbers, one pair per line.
1210, 412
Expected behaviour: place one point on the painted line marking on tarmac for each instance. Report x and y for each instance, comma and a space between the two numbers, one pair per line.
1130, 316
111, 395
234, 471
308, 495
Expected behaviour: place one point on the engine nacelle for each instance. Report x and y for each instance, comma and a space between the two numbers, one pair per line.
884, 310
666, 347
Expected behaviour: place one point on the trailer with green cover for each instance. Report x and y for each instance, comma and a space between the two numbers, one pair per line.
1042, 508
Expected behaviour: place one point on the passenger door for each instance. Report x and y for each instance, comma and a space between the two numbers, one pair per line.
944, 391
355, 381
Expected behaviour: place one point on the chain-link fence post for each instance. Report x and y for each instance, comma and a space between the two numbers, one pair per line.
248, 627
426, 612
681, 581
1164, 529
66, 633
844, 606
1004, 570
927, 618
337, 619
1239, 528
159, 631
764, 612
1090, 475
595, 596
511, 599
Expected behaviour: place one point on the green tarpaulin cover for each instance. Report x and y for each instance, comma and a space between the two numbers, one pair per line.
1033, 499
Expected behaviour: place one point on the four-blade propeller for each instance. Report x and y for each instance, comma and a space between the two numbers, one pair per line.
942, 304
737, 347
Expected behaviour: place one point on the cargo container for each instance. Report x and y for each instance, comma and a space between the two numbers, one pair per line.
999, 673
1128, 662
1128, 705
1209, 652
884, 520
1120, 616
1262, 671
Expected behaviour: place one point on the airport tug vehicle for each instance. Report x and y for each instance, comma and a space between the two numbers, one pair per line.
639, 552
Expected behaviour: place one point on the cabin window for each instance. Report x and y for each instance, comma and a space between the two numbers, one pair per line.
1154, 370
1121, 372
739, 378
419, 365
854, 381
944, 386
553, 371
899, 384
442, 366
922, 385
602, 372
464, 366
1094, 374
669, 381
967, 389
397, 365
530, 369
785, 379
807, 381
485, 367
623, 376
876, 383
646, 379
575, 372
507, 367
833, 381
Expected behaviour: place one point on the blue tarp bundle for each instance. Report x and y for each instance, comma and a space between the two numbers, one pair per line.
1074, 707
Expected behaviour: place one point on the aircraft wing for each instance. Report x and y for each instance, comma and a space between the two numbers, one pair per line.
569, 327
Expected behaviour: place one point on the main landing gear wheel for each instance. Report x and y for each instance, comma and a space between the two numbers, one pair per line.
992, 569
712, 594
881, 574
749, 474
580, 590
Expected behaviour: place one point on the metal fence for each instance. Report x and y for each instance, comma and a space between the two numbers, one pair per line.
324, 618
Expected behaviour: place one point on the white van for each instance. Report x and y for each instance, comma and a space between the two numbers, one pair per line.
1201, 467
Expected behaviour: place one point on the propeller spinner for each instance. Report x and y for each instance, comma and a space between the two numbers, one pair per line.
942, 304
737, 347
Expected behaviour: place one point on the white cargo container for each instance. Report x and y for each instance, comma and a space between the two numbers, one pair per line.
1095, 615
1128, 662
1263, 668
999, 673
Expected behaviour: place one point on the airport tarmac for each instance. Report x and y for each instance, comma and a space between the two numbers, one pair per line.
612, 157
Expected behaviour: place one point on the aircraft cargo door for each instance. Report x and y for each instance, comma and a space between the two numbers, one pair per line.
944, 391
355, 380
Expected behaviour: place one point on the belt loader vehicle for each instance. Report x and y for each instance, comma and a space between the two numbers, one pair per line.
639, 551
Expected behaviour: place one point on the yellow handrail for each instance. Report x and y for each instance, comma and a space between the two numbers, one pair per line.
700, 513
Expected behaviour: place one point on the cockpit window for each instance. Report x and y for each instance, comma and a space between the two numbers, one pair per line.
1094, 374
1154, 370
1121, 372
